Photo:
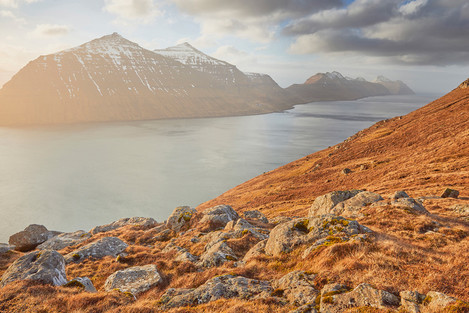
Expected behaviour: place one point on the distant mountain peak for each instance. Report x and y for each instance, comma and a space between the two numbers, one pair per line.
382, 79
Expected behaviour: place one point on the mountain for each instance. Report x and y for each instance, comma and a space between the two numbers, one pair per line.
395, 87
334, 86
112, 79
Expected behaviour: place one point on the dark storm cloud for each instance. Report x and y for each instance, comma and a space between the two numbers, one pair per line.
419, 32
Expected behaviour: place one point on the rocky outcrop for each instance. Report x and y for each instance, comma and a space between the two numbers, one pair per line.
325, 204
44, 266
256, 215
411, 301
221, 287
144, 222
135, 279
182, 254
219, 216
410, 205
30, 237
241, 227
83, 283
464, 84
180, 217
316, 231
216, 255
64, 240
97, 250
257, 250
436, 302
297, 287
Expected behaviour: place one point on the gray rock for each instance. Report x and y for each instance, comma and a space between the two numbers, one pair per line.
4, 248
257, 250
103, 247
325, 203
135, 279
297, 287
280, 220
82, 283
346, 171
217, 255
257, 215
437, 302
182, 254
220, 287
44, 266
450, 193
352, 206
64, 240
164, 235
462, 209
410, 205
411, 301
219, 215
399, 195
31, 237
362, 295
215, 237
146, 222
241, 227
180, 217
307, 308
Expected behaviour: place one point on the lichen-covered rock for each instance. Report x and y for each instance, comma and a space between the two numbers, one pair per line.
220, 287
135, 279
217, 255
325, 204
257, 250
64, 240
180, 217
4, 248
297, 287
317, 231
219, 216
44, 266
103, 247
146, 222
410, 205
436, 302
364, 295
83, 283
30, 237
353, 202
257, 215
411, 301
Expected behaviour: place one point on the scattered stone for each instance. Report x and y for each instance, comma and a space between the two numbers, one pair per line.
256, 214
217, 255
82, 283
64, 240
410, 205
135, 279
31, 237
44, 266
220, 287
411, 301
399, 195
346, 171
296, 287
364, 167
364, 295
437, 301
219, 215
103, 247
4, 248
257, 250
146, 222
325, 203
180, 217
450, 193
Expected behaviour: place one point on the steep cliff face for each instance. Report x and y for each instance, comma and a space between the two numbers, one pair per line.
111, 78
333, 86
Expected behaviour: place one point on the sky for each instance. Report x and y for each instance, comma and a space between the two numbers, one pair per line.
425, 43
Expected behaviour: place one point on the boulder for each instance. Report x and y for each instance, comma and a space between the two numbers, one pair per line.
257, 250
31, 237
240, 227
317, 231
44, 266
215, 237
410, 205
297, 287
219, 216
180, 217
182, 254
103, 247
257, 215
411, 301
146, 222
4, 248
64, 240
218, 254
83, 283
324, 204
399, 195
437, 302
364, 295
220, 287
450, 193
135, 279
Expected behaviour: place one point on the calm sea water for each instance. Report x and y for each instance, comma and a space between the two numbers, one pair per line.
75, 177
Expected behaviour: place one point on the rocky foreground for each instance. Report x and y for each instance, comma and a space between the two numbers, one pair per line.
217, 261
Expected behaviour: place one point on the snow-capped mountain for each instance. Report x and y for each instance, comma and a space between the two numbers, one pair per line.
334, 86
112, 78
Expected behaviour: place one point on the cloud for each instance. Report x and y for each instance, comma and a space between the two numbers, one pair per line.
9, 14
15, 3
253, 20
417, 32
51, 30
140, 11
